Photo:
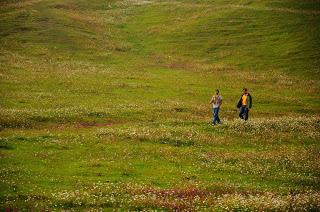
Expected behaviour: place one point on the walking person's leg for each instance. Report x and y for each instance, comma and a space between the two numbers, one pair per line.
218, 119
241, 112
213, 118
246, 114
215, 115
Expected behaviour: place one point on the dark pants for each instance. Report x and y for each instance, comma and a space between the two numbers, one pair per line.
216, 116
244, 113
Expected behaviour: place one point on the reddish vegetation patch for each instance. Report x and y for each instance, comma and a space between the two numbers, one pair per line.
181, 199
177, 199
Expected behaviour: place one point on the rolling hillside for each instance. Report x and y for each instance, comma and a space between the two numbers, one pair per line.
104, 104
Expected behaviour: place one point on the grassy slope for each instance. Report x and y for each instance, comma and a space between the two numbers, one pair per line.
145, 71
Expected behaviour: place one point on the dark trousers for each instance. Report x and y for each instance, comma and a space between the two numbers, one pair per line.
244, 113
216, 116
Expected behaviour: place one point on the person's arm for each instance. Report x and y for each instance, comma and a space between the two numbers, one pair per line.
220, 102
211, 101
239, 102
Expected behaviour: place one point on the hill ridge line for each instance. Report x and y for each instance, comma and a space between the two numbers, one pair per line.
277, 9
262, 8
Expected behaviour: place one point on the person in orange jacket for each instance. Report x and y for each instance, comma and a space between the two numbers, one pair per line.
245, 104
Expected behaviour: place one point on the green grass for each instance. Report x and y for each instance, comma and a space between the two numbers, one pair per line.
104, 105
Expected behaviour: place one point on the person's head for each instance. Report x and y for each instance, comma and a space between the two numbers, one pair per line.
217, 91
245, 91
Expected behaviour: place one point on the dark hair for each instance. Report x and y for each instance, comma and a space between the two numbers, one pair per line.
245, 89
217, 91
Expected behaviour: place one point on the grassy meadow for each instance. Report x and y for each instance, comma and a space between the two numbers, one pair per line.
104, 105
